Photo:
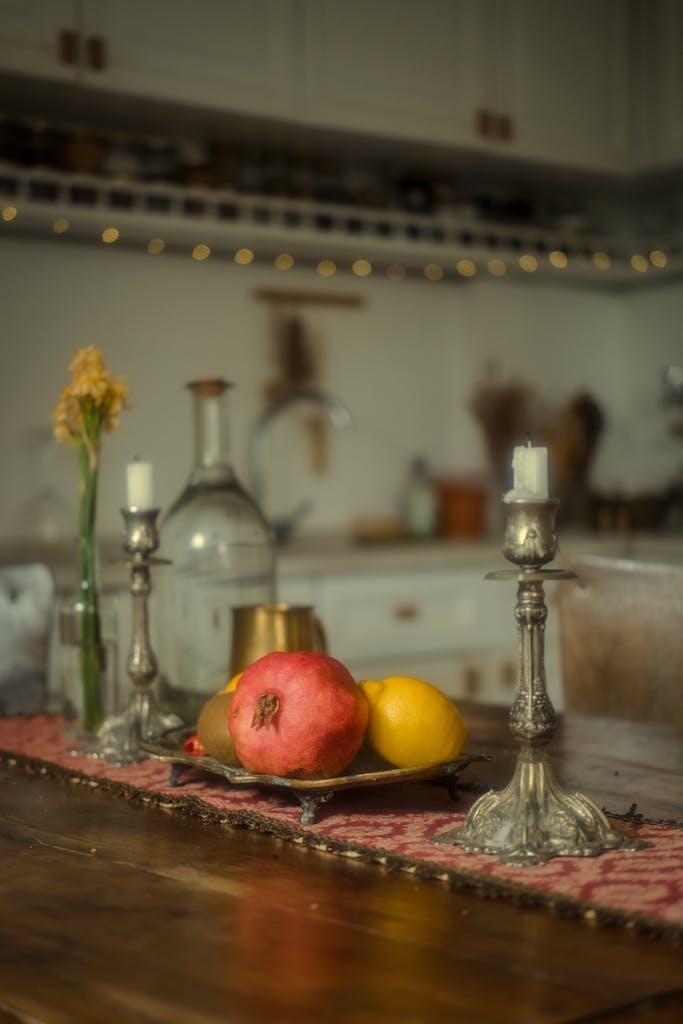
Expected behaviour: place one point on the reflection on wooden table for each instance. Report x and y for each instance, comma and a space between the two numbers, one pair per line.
113, 911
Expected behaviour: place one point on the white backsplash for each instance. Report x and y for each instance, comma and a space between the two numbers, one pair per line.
405, 364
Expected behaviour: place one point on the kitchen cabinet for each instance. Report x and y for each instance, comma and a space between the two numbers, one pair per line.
562, 75
215, 54
658, 96
396, 69
38, 38
449, 626
529, 79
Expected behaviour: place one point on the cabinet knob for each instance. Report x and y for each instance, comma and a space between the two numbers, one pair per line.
508, 674
96, 53
472, 681
485, 123
68, 46
406, 612
506, 129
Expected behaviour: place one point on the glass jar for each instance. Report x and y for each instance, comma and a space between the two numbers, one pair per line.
222, 555
79, 670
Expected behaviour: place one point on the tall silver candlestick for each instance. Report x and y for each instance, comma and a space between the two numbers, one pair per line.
534, 818
119, 736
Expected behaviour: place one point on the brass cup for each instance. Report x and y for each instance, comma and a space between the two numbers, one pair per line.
262, 628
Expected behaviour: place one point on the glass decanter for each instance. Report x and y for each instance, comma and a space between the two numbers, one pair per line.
222, 555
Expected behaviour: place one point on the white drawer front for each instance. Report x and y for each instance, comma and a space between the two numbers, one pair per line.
412, 613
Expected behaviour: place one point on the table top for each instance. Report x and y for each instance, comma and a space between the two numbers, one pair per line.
117, 911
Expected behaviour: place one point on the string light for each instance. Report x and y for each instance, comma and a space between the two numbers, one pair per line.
361, 268
284, 261
602, 260
466, 268
433, 272
528, 263
558, 259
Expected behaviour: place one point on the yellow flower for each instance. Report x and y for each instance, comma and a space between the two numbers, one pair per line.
93, 396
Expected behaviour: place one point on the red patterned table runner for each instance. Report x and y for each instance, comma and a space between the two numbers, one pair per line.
392, 826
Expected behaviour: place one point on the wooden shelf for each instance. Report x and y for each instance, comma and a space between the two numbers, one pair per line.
430, 248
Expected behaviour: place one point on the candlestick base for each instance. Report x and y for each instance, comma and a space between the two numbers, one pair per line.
534, 819
119, 737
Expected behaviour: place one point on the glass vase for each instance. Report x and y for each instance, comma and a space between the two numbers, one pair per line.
87, 665
222, 556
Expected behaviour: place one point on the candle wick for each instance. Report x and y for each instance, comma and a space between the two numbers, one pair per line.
528, 440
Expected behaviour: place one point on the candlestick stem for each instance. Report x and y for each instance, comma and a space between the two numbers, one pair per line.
534, 818
120, 736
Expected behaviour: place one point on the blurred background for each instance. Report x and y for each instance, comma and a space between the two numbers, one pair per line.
461, 220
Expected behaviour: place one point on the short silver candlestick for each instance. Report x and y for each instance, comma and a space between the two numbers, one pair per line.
534, 818
120, 736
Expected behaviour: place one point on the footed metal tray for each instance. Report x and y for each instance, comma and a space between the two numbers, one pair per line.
311, 793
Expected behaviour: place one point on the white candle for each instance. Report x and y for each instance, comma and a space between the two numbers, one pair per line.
529, 473
139, 484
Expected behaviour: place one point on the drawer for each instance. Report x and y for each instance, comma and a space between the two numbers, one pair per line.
370, 615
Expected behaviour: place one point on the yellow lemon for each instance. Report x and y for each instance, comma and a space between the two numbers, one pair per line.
411, 722
232, 684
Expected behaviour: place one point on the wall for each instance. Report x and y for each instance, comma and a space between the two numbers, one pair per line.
405, 364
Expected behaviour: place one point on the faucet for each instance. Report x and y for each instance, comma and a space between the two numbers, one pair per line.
338, 415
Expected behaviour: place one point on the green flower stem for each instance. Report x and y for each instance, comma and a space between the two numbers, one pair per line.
91, 649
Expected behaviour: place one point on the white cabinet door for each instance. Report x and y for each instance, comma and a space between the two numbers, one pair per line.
230, 55
396, 68
562, 79
659, 110
542, 80
39, 38
226, 54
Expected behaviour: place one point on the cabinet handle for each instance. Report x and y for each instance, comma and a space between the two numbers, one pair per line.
405, 612
472, 681
508, 674
68, 46
485, 123
96, 50
506, 129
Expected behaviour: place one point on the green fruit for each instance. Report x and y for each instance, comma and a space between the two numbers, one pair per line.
212, 729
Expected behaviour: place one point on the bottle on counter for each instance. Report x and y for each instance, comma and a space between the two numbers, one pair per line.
420, 503
222, 555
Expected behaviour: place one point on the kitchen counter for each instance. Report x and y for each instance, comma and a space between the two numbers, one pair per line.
339, 553
317, 554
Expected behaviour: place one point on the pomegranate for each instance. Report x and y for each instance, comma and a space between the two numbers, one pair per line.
298, 715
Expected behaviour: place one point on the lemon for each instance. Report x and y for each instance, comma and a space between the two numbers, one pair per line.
411, 722
229, 687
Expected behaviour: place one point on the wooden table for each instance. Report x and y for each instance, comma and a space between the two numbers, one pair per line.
116, 912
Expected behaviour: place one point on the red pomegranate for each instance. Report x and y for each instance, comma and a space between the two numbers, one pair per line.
298, 715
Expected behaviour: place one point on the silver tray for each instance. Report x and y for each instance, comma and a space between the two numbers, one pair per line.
311, 793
